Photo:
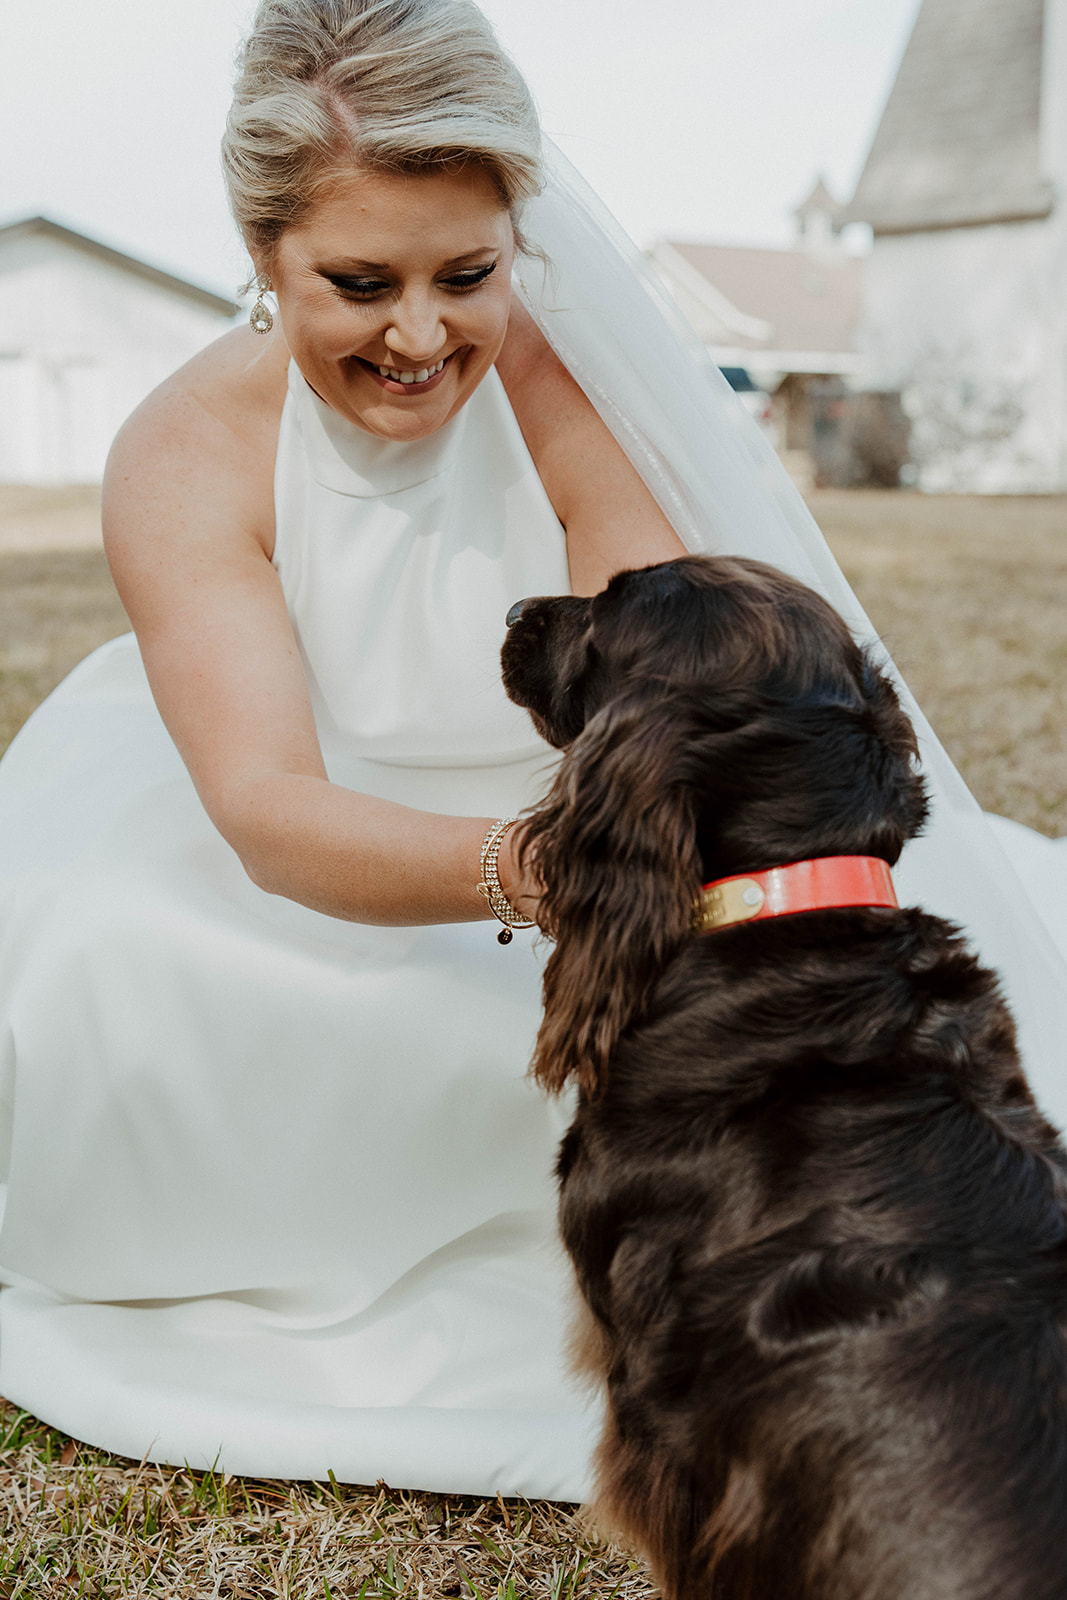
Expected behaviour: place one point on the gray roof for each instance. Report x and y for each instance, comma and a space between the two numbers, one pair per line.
44, 226
959, 138
809, 303
820, 199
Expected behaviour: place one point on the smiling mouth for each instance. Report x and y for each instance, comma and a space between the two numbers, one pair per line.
407, 376
409, 380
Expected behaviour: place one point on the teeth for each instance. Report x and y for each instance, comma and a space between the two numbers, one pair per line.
411, 377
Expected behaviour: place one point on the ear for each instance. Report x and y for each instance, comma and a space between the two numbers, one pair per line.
615, 843
904, 790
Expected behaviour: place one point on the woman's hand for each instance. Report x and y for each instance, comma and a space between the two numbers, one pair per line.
522, 885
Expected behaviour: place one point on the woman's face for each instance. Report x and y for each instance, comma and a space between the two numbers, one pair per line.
410, 273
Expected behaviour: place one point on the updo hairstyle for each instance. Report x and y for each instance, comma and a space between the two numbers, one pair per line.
392, 85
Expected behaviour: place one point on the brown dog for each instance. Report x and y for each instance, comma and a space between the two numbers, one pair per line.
818, 1223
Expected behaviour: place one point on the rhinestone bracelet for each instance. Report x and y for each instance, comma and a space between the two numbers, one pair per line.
489, 887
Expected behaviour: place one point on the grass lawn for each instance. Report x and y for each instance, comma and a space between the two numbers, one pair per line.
971, 596
76, 1522
55, 606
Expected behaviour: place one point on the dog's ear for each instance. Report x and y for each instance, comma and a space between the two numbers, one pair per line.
903, 788
615, 842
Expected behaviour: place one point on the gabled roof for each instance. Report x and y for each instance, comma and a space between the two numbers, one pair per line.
820, 199
29, 227
958, 143
805, 301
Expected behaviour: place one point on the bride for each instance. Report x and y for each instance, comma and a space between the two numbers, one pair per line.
277, 1191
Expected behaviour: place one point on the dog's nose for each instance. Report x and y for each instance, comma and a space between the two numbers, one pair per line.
516, 612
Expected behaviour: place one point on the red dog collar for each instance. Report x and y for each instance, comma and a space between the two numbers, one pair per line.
829, 882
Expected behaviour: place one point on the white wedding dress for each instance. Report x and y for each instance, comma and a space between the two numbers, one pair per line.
277, 1192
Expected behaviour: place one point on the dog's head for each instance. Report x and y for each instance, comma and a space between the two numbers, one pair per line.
717, 717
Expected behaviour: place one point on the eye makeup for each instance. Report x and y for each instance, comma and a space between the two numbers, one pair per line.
355, 287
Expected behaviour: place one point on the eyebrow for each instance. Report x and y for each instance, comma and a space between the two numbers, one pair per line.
349, 266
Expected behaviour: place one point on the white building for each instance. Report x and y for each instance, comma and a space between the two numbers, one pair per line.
965, 290
786, 316
774, 312
85, 333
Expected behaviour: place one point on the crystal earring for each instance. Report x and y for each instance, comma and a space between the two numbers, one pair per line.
260, 319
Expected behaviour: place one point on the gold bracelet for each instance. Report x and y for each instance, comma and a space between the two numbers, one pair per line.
489, 888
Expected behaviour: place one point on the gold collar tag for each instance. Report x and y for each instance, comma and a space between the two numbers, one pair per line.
738, 900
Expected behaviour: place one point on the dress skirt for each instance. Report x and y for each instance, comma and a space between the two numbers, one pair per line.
278, 1192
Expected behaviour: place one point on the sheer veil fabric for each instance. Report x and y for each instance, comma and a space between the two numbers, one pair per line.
721, 485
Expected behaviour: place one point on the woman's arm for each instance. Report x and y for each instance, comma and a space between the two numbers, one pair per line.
189, 529
189, 532
611, 519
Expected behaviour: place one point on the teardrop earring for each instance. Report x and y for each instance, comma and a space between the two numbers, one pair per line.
260, 318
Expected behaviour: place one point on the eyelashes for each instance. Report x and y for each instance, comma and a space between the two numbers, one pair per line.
470, 279
367, 289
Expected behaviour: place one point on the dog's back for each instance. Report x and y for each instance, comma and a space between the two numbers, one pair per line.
832, 1262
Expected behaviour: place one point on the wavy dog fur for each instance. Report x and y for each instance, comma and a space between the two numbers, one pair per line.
817, 1221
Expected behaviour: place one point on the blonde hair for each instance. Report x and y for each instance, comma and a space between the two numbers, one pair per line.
393, 85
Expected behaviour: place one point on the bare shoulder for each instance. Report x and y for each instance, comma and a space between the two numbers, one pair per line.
197, 456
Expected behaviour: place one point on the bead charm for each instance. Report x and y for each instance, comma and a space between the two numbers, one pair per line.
489, 887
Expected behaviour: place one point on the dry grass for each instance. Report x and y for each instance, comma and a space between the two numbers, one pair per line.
76, 1522
64, 518
55, 606
971, 597
57, 601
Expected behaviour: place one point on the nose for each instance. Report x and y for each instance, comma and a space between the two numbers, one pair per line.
516, 612
416, 332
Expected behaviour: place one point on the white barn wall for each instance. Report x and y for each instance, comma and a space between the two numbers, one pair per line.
1053, 133
1054, 161
965, 292
970, 324
82, 341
